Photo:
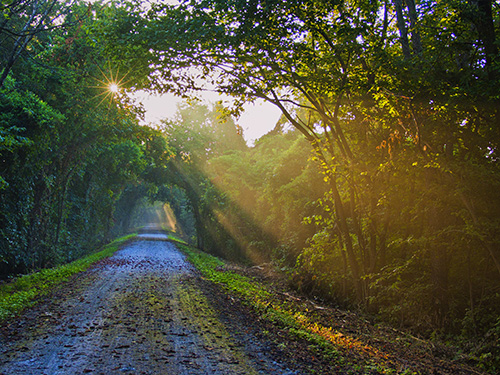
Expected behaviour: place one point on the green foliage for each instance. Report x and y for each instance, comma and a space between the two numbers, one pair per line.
23, 291
268, 189
487, 353
197, 136
68, 147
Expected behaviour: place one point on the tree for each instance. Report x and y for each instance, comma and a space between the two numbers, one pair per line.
22, 22
196, 136
70, 149
397, 101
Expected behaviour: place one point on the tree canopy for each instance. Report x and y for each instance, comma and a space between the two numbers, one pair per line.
68, 146
378, 187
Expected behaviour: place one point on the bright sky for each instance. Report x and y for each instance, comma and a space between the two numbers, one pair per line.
257, 119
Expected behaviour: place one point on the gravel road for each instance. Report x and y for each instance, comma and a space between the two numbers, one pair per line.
143, 311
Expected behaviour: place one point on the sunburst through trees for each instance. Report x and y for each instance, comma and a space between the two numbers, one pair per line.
110, 86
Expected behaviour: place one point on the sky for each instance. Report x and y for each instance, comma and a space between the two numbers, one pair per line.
256, 120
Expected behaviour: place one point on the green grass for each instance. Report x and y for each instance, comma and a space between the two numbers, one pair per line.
256, 295
172, 236
328, 343
22, 292
211, 268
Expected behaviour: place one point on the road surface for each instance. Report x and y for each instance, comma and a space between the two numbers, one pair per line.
143, 311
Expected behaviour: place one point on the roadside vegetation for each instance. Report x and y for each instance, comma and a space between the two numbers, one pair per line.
348, 342
23, 291
258, 297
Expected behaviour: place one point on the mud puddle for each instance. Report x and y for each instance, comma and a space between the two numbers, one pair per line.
143, 311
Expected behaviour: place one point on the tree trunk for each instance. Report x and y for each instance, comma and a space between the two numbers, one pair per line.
415, 34
486, 30
403, 32
344, 228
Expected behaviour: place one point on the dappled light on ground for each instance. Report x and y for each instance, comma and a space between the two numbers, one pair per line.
339, 339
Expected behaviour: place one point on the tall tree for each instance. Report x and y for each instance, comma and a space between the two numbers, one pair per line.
71, 147
21, 23
322, 64
197, 135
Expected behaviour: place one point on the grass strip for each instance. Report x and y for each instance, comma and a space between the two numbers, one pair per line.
22, 292
255, 294
174, 237
329, 343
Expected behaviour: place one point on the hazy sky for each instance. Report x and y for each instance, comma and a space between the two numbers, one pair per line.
257, 120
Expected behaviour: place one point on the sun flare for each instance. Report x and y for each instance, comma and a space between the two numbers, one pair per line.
113, 87
110, 85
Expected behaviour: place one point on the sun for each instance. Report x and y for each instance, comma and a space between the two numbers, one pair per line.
113, 87
110, 85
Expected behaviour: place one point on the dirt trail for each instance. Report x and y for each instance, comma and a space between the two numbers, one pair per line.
143, 311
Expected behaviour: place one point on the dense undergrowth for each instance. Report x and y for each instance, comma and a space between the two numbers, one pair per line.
397, 208
23, 291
